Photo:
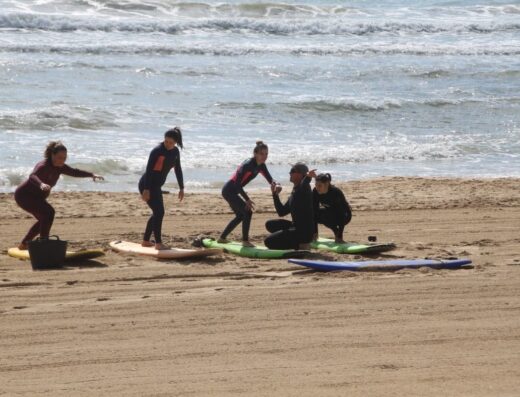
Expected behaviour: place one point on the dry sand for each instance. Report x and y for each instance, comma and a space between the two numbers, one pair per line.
134, 326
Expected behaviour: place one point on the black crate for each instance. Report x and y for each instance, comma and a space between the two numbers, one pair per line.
47, 253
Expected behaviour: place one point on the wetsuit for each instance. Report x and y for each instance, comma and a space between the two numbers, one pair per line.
332, 210
32, 199
160, 162
234, 188
286, 234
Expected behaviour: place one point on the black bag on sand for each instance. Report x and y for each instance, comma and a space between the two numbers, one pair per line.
47, 253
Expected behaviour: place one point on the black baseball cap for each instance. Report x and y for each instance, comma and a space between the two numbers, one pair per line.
300, 168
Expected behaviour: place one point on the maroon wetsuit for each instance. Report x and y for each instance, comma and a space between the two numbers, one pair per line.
32, 199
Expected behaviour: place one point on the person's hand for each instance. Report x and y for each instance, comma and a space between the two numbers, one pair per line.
181, 194
146, 195
45, 187
312, 173
250, 205
276, 188
97, 178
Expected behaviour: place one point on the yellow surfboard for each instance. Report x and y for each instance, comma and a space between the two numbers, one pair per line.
70, 256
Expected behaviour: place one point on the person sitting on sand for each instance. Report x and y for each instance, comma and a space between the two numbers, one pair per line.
162, 159
32, 194
330, 207
298, 233
234, 188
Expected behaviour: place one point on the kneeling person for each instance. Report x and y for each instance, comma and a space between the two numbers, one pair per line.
330, 207
298, 233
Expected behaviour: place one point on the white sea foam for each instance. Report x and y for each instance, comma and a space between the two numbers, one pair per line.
60, 23
364, 89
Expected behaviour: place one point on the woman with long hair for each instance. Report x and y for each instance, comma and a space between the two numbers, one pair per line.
233, 191
32, 194
162, 159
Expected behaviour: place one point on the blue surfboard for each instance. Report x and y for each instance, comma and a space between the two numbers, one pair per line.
382, 265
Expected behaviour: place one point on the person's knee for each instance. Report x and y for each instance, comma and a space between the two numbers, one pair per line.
48, 213
159, 214
270, 226
270, 242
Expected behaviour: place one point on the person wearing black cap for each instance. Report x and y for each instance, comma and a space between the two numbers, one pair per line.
298, 233
330, 207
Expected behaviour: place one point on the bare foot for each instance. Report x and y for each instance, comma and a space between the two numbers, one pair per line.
247, 243
222, 241
161, 247
23, 246
339, 241
147, 244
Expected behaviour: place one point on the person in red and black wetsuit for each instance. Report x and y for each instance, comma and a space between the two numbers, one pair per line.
243, 206
32, 194
162, 159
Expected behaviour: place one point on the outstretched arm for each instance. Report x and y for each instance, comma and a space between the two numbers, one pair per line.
265, 172
77, 173
281, 209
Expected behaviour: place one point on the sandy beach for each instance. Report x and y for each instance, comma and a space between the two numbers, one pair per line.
133, 326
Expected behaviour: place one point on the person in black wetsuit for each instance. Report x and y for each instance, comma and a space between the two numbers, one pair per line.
162, 159
298, 233
234, 188
331, 208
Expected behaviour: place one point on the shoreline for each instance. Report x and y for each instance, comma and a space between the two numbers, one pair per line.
383, 194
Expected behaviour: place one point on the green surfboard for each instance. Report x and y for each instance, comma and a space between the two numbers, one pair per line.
257, 251
350, 248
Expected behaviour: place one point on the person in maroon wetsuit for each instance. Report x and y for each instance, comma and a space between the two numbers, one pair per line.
234, 188
32, 194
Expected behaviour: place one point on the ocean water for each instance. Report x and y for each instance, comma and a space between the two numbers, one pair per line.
360, 89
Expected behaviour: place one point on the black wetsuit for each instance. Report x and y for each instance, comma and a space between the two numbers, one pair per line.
234, 188
332, 210
286, 234
160, 162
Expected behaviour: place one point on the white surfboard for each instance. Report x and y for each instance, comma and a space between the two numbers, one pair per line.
173, 253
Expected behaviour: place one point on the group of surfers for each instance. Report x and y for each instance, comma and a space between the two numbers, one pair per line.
325, 204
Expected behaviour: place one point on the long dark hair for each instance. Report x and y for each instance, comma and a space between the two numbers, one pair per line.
260, 145
53, 147
175, 134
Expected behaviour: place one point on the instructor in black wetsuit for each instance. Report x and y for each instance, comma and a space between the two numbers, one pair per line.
298, 233
330, 207
234, 188
162, 159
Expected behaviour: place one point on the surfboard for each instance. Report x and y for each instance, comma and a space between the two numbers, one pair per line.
174, 253
327, 244
69, 256
383, 265
258, 251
